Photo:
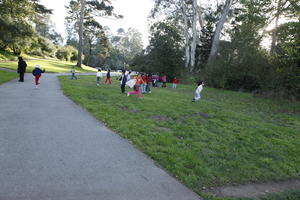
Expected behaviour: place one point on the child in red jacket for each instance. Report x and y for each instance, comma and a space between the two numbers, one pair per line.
175, 82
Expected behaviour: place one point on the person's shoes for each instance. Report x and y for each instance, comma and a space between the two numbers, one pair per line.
36, 86
128, 94
193, 100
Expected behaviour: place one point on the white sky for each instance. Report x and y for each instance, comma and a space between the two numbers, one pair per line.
135, 14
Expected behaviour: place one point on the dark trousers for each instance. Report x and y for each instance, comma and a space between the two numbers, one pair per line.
21, 76
122, 88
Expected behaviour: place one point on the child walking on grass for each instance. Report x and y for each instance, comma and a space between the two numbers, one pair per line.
99, 75
37, 73
108, 77
73, 73
198, 91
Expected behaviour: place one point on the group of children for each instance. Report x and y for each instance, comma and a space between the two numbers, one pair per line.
141, 84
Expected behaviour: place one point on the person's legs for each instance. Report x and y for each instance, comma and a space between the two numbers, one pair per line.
139, 94
98, 81
21, 77
106, 80
132, 92
122, 88
37, 77
197, 97
110, 82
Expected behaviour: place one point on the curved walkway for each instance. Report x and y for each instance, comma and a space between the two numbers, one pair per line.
50, 148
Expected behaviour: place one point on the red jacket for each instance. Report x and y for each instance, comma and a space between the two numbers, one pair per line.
149, 79
175, 80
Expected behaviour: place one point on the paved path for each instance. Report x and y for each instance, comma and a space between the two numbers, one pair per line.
50, 148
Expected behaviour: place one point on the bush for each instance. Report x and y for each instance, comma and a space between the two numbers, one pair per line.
67, 53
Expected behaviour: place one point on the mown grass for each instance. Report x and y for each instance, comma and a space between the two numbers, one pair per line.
225, 138
51, 65
7, 76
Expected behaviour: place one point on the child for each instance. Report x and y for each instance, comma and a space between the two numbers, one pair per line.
99, 76
128, 76
175, 82
137, 89
37, 73
164, 81
198, 91
73, 73
108, 77
148, 81
143, 85
123, 80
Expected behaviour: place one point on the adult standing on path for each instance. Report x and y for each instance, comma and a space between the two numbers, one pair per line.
21, 68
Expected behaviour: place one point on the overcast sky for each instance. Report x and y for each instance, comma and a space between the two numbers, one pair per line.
135, 14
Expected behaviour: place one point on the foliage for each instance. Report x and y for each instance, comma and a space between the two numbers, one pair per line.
67, 53
164, 53
125, 45
17, 17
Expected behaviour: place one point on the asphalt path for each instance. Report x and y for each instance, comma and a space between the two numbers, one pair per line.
52, 149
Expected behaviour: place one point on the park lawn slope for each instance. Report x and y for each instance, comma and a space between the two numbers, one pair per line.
7, 76
225, 138
51, 65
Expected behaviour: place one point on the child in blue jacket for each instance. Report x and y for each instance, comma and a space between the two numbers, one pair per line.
37, 73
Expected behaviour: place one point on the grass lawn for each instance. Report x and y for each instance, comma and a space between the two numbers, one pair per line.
51, 65
7, 76
225, 138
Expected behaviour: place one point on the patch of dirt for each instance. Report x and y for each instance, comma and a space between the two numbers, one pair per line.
160, 118
204, 115
165, 129
255, 190
126, 109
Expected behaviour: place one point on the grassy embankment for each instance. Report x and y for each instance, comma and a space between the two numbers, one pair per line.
7, 76
51, 65
225, 138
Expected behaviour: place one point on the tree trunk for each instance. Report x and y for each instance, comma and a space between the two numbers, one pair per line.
274, 34
80, 33
194, 42
216, 38
186, 35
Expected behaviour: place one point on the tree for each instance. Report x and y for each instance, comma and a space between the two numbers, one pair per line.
82, 10
164, 53
216, 38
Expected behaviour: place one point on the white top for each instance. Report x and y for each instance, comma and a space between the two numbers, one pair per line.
128, 77
99, 74
199, 89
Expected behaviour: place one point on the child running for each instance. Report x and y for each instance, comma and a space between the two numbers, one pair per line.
108, 77
137, 88
198, 91
99, 76
37, 73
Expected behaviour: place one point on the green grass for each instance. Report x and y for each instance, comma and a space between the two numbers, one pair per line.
225, 138
51, 65
7, 76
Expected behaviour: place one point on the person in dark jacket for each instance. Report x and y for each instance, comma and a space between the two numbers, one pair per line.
123, 80
21, 68
37, 73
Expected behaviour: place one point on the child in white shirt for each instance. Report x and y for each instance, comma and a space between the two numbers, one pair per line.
198, 91
99, 75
